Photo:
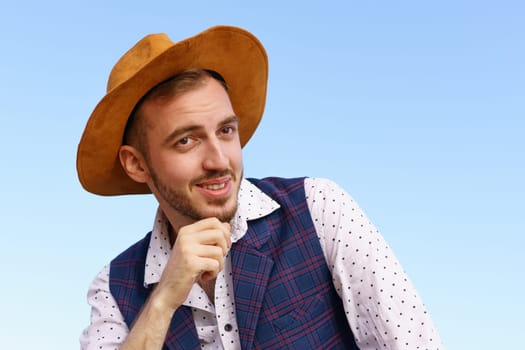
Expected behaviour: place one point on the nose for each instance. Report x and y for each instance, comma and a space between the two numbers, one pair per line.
215, 156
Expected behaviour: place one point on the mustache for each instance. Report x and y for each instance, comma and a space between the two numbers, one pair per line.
214, 175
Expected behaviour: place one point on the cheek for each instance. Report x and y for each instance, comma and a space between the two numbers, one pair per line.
173, 170
236, 158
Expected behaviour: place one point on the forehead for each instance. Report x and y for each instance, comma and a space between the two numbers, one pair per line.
204, 102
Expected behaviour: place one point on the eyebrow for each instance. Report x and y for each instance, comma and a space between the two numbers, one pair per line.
229, 120
185, 129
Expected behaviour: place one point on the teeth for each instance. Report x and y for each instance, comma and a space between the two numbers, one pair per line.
214, 187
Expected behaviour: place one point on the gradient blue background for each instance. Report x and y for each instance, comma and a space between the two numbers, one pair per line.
415, 107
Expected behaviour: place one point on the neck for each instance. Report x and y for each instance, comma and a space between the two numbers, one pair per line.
175, 222
209, 289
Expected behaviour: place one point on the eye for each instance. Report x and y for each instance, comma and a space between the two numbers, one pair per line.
185, 142
228, 129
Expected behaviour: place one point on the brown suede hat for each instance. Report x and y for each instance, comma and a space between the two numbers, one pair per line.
233, 52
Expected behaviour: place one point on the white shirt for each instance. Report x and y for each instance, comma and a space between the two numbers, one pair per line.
382, 306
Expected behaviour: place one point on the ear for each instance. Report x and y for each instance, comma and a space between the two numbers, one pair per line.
133, 163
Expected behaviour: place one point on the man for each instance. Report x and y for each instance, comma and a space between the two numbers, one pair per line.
230, 263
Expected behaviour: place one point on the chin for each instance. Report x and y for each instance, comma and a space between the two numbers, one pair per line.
224, 214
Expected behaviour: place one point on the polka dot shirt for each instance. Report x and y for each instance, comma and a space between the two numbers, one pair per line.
382, 306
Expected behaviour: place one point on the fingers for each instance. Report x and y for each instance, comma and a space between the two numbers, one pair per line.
198, 253
209, 231
211, 269
211, 224
214, 254
203, 245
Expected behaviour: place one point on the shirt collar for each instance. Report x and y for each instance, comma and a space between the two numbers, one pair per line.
253, 204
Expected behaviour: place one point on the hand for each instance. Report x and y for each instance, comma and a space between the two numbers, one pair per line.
198, 254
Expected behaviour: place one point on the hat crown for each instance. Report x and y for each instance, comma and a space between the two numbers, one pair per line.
137, 57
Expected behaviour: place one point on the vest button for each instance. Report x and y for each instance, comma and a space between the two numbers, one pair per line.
228, 327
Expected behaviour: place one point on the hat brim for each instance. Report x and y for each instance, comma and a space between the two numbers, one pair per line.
233, 52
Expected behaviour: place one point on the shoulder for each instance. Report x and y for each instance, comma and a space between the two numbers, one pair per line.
281, 189
310, 183
321, 189
314, 189
269, 183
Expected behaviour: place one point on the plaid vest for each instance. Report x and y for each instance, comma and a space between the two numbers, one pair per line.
283, 289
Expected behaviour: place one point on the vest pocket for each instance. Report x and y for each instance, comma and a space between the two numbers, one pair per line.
308, 309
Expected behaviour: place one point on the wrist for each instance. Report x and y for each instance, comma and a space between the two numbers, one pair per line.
162, 303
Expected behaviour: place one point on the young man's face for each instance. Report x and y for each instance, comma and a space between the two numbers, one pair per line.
194, 154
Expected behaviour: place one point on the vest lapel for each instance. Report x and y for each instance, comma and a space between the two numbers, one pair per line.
251, 270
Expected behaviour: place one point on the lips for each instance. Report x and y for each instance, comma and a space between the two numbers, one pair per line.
214, 187
218, 187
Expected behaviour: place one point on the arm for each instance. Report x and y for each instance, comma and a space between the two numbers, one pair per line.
197, 255
107, 328
381, 303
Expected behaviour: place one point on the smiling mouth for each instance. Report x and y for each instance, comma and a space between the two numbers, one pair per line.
214, 181
213, 187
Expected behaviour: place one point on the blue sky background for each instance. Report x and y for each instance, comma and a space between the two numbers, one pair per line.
415, 107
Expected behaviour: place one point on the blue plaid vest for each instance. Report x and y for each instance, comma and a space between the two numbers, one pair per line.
284, 294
